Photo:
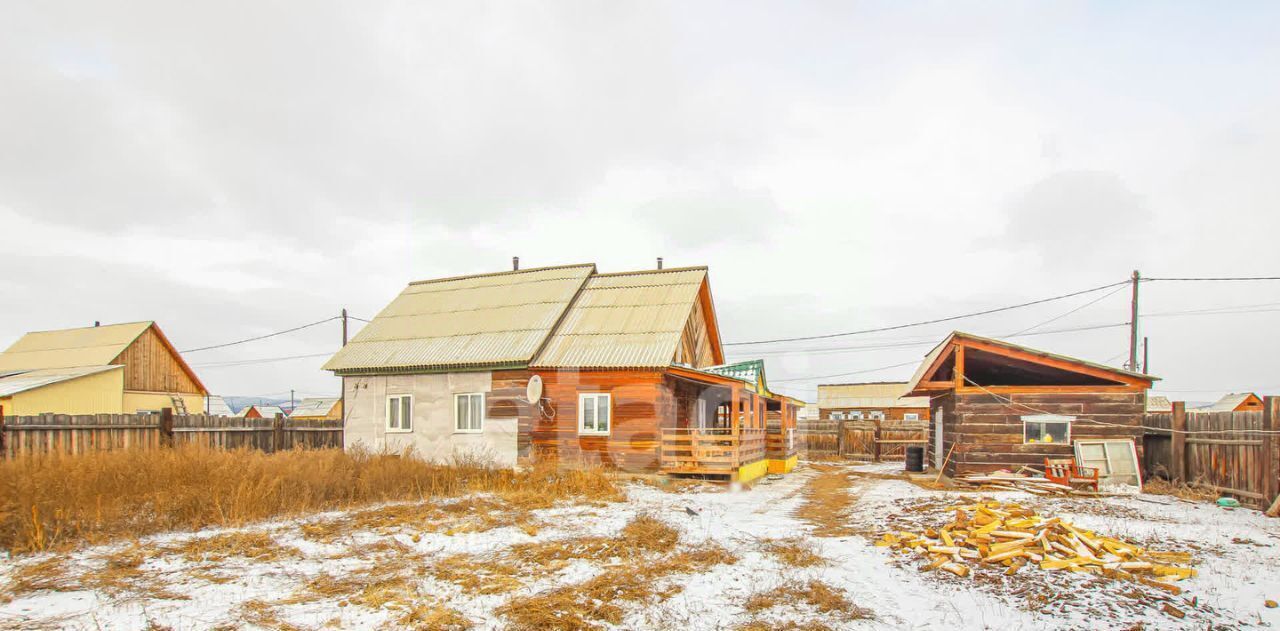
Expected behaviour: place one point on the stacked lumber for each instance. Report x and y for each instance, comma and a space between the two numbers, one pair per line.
1009, 535
1004, 480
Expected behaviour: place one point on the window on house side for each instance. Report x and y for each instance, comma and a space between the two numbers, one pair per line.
400, 413
594, 413
910, 416
468, 412
1046, 429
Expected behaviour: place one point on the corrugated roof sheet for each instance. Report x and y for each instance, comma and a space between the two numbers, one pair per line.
267, 411
1228, 403
868, 395
1157, 403
486, 320
631, 320
30, 380
217, 406
314, 406
86, 346
750, 371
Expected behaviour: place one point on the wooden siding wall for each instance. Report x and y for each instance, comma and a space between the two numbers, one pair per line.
1229, 452
639, 399
988, 431
61, 433
150, 367
695, 342
506, 400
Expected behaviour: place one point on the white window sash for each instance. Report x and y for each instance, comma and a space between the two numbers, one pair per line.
468, 413
1044, 421
595, 405
399, 413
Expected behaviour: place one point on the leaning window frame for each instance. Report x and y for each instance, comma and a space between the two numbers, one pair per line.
582, 428
387, 411
483, 412
1047, 418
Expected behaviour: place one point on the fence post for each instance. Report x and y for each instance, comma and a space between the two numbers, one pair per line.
277, 433
4, 452
166, 427
1270, 474
1178, 442
875, 440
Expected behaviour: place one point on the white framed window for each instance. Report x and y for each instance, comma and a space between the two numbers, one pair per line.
1046, 428
910, 416
468, 413
856, 415
837, 416
400, 413
877, 415
594, 413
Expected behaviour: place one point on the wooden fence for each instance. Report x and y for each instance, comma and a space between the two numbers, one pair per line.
67, 434
1234, 453
873, 439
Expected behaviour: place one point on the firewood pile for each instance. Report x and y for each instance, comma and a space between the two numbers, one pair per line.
1011, 536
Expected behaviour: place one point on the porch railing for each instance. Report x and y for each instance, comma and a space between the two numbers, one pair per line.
781, 443
710, 451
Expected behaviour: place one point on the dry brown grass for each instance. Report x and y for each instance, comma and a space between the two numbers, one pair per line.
827, 502
432, 617
1197, 493
55, 501
790, 625
256, 546
795, 552
821, 596
646, 551
478, 575
116, 574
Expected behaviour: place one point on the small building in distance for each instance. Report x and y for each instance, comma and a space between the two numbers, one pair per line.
261, 411
1157, 404
114, 369
318, 409
998, 405
1234, 402
215, 405
880, 400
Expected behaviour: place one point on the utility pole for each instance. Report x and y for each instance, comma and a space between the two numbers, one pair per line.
344, 326
1133, 325
1146, 357
291, 403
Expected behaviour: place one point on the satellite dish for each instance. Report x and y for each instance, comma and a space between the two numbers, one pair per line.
533, 391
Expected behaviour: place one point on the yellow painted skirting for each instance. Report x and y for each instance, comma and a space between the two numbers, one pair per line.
783, 466
749, 472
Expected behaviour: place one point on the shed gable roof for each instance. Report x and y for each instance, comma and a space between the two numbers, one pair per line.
84, 346
314, 406
1020, 359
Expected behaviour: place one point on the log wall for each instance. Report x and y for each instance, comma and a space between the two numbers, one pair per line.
987, 430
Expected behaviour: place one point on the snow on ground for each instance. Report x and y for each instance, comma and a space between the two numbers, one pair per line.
282, 587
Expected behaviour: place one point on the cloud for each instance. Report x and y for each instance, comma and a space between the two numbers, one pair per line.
701, 219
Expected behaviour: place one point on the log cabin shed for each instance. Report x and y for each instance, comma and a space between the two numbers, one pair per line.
997, 405
562, 364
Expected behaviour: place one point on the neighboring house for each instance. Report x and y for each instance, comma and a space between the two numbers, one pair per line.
614, 365
114, 369
261, 411
881, 400
781, 412
1003, 406
1234, 402
1158, 404
318, 409
215, 405
809, 412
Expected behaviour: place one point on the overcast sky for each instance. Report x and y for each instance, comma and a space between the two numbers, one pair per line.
246, 167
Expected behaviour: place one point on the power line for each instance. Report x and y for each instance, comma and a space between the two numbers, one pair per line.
930, 342
925, 322
1059, 317
845, 374
262, 337
1217, 278
260, 360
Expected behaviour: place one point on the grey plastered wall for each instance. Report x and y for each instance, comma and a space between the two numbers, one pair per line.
433, 436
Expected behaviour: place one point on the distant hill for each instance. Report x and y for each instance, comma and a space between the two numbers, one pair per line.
239, 403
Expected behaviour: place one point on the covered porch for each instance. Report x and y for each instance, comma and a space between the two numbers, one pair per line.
718, 427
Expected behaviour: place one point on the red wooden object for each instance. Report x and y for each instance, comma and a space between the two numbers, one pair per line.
1065, 471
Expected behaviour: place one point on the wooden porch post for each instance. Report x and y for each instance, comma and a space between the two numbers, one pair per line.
735, 410
959, 366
